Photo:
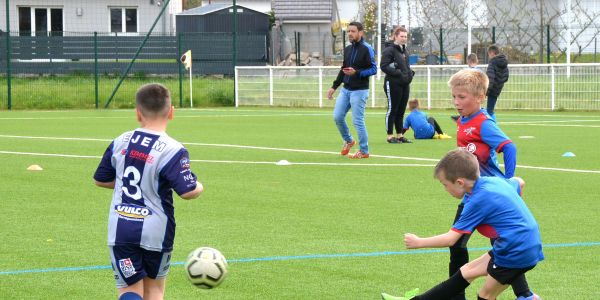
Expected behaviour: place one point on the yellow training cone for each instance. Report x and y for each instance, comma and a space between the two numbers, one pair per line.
34, 168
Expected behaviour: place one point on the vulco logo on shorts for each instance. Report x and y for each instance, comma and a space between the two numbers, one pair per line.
133, 211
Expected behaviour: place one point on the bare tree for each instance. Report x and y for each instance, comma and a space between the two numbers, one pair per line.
520, 25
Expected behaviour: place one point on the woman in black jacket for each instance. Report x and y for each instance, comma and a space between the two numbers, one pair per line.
398, 76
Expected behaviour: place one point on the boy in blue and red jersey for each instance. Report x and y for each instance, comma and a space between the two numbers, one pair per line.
479, 134
143, 167
492, 205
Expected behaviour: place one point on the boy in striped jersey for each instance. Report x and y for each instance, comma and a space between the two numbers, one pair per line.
143, 167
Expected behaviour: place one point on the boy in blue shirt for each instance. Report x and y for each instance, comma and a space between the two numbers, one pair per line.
493, 207
424, 127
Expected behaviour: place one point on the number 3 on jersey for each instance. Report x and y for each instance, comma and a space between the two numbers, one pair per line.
132, 183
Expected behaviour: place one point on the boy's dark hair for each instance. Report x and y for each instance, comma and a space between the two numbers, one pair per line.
494, 49
414, 103
458, 163
153, 99
358, 25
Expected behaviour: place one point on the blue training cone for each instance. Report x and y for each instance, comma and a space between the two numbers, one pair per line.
569, 154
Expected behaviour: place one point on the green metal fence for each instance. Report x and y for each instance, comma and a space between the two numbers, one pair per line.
81, 70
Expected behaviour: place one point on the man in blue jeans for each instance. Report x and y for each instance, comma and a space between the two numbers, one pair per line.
359, 63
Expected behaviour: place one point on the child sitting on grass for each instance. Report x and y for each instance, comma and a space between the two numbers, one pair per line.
424, 127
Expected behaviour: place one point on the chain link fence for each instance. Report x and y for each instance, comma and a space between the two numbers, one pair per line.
523, 45
82, 70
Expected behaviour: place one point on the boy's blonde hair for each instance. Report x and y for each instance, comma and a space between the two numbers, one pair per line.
472, 59
475, 81
413, 104
153, 100
458, 163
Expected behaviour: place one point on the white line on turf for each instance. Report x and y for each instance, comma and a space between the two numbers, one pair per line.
555, 125
288, 150
228, 161
545, 122
271, 113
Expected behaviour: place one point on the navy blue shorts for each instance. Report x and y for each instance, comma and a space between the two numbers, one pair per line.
502, 274
132, 263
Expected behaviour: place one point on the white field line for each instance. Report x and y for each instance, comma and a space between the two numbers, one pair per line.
273, 149
229, 161
270, 113
556, 125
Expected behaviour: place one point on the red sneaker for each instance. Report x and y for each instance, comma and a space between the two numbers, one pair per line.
347, 146
358, 155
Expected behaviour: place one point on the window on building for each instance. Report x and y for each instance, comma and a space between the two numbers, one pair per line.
123, 20
40, 21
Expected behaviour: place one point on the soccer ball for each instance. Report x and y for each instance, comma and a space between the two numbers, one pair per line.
206, 267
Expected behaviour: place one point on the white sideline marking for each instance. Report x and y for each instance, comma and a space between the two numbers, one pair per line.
558, 125
268, 148
228, 161
270, 113
178, 116
49, 154
545, 122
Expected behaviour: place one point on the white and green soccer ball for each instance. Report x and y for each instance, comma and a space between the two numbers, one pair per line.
206, 268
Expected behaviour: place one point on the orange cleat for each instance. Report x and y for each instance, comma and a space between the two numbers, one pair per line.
347, 146
358, 155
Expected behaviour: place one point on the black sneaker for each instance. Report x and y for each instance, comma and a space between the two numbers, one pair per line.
393, 140
455, 118
404, 140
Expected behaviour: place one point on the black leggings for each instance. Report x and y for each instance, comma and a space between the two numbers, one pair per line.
397, 96
435, 125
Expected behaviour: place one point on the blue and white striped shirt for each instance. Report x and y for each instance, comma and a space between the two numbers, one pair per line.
146, 166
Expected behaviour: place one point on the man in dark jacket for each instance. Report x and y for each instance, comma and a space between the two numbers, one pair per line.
359, 64
497, 72
398, 76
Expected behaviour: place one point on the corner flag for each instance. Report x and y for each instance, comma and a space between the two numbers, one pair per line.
186, 59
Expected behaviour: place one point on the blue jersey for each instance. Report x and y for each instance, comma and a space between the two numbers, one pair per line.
495, 209
146, 167
480, 135
418, 121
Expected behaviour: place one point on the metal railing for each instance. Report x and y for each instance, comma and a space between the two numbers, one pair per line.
530, 86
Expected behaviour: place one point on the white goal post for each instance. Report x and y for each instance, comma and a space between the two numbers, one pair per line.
530, 86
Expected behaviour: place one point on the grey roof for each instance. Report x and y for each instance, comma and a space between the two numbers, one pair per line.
210, 8
303, 9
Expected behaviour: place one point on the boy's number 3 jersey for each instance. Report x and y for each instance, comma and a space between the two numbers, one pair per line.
146, 167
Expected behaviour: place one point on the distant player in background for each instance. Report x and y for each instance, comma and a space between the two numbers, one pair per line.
359, 64
497, 72
424, 127
472, 61
493, 206
143, 167
479, 134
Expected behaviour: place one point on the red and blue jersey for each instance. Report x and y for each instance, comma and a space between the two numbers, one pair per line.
480, 135
495, 208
